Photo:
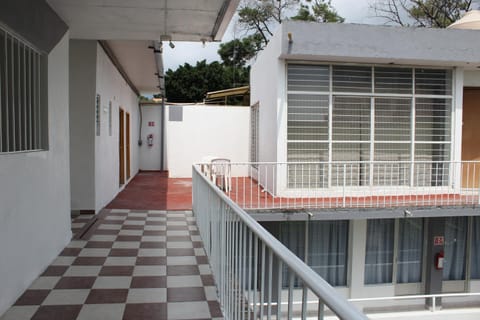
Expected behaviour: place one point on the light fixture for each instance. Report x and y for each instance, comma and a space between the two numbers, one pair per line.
171, 44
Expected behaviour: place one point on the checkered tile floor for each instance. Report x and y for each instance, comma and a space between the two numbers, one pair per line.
134, 265
79, 222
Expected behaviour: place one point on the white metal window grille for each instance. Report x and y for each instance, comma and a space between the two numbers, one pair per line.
23, 107
254, 126
350, 140
359, 114
97, 115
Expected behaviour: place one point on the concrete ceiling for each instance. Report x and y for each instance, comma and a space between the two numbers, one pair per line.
131, 26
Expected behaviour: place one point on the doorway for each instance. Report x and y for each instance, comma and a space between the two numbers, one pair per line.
127, 144
471, 137
121, 146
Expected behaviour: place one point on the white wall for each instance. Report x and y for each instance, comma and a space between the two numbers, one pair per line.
471, 78
206, 131
35, 193
83, 59
150, 156
112, 87
267, 83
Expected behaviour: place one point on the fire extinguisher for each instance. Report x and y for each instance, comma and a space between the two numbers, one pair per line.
439, 260
150, 140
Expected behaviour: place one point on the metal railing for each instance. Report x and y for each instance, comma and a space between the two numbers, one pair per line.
249, 264
434, 298
373, 184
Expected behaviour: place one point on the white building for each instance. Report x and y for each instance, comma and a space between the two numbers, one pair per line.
69, 113
372, 115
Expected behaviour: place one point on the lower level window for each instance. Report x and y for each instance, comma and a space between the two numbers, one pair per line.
455, 248
379, 251
475, 251
327, 248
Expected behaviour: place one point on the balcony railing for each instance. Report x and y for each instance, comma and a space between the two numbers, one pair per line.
251, 267
330, 185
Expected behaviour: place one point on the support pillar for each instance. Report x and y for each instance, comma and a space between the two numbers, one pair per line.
435, 245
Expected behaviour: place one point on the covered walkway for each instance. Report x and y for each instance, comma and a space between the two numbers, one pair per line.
129, 263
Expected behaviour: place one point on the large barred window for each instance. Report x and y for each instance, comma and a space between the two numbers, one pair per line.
23, 112
368, 125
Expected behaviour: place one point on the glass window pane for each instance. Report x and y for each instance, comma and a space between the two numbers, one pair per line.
455, 248
410, 247
393, 119
432, 119
475, 251
328, 250
308, 77
292, 235
352, 79
393, 80
379, 251
433, 82
307, 117
351, 118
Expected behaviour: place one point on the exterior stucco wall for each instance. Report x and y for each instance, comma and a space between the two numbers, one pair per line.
380, 44
35, 193
217, 131
112, 87
267, 83
471, 78
83, 56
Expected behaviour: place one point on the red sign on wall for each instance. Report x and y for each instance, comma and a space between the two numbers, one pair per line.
151, 123
438, 240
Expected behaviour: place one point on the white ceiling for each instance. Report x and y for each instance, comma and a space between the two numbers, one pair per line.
132, 25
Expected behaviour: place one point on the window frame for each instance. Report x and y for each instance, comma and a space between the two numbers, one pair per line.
413, 143
23, 95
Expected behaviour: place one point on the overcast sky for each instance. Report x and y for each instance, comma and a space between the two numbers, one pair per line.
354, 11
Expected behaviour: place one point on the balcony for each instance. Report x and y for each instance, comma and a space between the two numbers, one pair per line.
345, 185
258, 277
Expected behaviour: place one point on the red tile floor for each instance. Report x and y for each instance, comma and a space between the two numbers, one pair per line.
129, 264
153, 190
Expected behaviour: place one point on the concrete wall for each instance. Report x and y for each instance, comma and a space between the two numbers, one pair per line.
205, 131
471, 78
380, 44
267, 82
35, 193
112, 87
95, 159
83, 59
150, 156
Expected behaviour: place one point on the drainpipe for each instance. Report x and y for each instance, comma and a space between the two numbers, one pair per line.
157, 46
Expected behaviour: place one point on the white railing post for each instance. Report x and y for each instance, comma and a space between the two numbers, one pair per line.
344, 184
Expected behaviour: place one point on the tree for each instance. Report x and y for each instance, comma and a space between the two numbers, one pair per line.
319, 11
421, 13
259, 17
238, 51
190, 83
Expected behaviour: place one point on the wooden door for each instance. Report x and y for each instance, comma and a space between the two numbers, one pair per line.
121, 147
127, 138
471, 138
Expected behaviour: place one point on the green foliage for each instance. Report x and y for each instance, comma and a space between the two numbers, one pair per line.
190, 83
421, 13
319, 11
238, 51
259, 17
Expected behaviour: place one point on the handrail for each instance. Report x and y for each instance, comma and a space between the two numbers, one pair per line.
329, 296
